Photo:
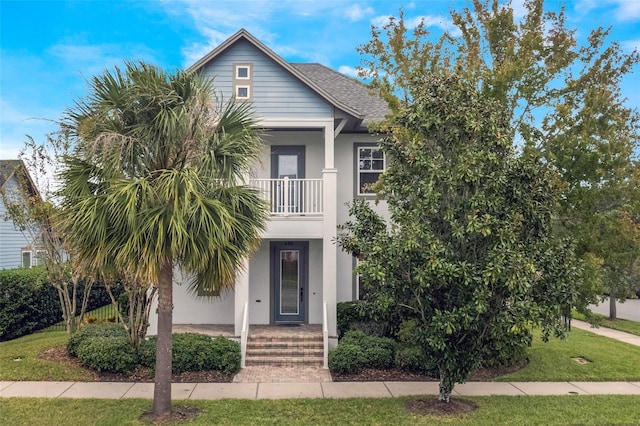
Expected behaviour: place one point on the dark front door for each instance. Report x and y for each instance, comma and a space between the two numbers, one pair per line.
289, 262
287, 162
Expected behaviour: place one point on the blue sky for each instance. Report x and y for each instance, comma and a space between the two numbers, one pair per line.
50, 48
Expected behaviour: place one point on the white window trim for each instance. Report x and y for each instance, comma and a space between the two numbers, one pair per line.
237, 73
360, 147
243, 86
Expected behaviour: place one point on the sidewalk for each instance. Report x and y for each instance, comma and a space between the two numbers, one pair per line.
632, 339
252, 391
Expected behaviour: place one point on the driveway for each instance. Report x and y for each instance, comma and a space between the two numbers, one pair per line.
629, 310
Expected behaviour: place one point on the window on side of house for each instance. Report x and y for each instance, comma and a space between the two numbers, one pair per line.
208, 291
40, 257
26, 258
370, 164
242, 81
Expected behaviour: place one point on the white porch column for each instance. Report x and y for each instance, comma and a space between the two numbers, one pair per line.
329, 248
241, 296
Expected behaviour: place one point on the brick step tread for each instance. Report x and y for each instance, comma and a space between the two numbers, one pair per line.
280, 361
289, 353
285, 339
285, 345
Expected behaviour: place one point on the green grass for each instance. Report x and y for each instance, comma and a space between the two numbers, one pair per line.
610, 360
504, 410
19, 359
627, 326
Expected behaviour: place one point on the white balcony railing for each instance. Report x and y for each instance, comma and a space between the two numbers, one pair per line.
292, 197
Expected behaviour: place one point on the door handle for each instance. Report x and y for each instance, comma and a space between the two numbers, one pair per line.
301, 295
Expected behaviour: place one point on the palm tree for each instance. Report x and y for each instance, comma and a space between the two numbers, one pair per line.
155, 181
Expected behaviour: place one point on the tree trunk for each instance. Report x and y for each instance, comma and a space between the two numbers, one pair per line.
446, 387
613, 314
162, 389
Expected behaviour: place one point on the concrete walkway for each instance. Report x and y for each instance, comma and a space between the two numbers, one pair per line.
632, 339
252, 391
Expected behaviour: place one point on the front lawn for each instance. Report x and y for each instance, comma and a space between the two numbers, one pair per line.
504, 410
608, 360
19, 359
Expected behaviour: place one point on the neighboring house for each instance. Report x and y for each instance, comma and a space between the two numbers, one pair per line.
18, 247
318, 155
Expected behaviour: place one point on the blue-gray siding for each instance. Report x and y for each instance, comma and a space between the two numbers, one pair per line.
275, 92
12, 240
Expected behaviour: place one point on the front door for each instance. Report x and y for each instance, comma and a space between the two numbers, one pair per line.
287, 163
289, 280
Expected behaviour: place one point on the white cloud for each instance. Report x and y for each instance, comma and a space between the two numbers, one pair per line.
627, 10
630, 45
356, 13
623, 10
348, 70
445, 24
381, 20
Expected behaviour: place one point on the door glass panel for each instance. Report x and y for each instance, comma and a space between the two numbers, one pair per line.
289, 284
287, 166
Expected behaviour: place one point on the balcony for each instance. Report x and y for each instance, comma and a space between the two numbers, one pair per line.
291, 197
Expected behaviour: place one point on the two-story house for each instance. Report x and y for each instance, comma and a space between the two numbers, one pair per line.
317, 156
18, 246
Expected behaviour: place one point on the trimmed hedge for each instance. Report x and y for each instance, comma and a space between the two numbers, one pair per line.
357, 350
196, 352
112, 354
93, 330
29, 303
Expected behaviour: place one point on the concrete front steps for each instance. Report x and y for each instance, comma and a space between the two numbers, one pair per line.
284, 347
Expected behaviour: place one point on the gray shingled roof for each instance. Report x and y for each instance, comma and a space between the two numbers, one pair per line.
345, 89
7, 168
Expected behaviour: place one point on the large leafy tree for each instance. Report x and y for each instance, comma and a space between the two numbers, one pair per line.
467, 252
561, 99
155, 182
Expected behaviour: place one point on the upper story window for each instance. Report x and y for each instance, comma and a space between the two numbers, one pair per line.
370, 164
242, 81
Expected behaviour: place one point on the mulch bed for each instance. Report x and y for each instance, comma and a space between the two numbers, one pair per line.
395, 375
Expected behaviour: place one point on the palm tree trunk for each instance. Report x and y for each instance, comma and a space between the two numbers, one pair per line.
162, 388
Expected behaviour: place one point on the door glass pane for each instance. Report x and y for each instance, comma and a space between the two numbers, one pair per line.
287, 166
289, 284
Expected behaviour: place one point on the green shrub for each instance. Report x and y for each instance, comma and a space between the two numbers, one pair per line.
507, 348
227, 356
412, 358
196, 352
89, 331
378, 352
346, 359
113, 354
27, 302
